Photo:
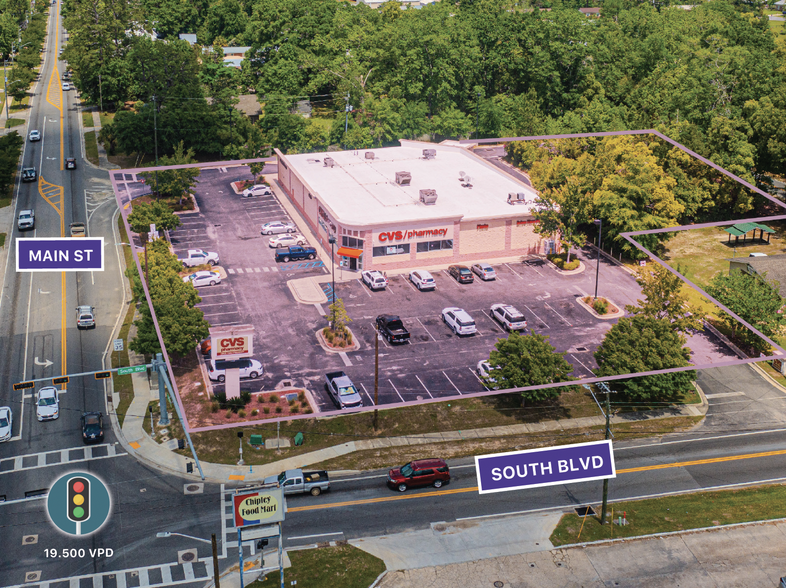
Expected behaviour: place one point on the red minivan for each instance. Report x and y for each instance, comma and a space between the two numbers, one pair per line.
421, 472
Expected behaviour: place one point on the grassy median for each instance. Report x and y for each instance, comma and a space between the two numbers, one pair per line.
676, 513
91, 147
344, 565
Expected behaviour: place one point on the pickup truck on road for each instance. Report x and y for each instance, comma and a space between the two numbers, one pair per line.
295, 253
300, 482
391, 327
197, 257
342, 391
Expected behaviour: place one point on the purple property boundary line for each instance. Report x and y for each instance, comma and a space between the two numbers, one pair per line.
628, 236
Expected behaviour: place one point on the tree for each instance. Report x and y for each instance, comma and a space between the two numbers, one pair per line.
10, 149
174, 183
665, 298
528, 360
339, 317
561, 211
157, 213
641, 344
754, 299
19, 81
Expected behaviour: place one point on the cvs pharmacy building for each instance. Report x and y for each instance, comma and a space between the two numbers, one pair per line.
418, 205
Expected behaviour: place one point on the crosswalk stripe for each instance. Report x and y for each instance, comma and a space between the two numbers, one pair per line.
239, 270
144, 577
166, 575
265, 269
85, 454
257, 270
188, 570
231, 271
249, 270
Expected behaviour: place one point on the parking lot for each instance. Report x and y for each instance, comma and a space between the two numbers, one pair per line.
435, 362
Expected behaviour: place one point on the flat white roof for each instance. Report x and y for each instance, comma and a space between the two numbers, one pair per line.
363, 192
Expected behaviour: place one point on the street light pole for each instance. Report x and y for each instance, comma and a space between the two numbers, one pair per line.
599, 222
376, 375
332, 241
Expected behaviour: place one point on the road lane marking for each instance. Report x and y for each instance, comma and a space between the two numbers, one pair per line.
724, 394
312, 536
475, 488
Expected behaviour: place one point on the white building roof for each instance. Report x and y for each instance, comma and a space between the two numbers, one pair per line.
363, 192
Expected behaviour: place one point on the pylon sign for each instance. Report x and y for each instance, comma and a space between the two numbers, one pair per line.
260, 507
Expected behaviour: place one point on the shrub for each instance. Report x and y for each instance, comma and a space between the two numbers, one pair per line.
278, 409
254, 412
266, 410
294, 409
214, 407
559, 262
228, 414
301, 396
221, 397
292, 402
571, 266
308, 410
245, 396
600, 306
348, 338
273, 398
260, 398
241, 414
304, 402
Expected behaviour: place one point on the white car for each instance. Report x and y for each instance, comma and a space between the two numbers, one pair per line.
258, 190
249, 368
204, 278
6, 423
278, 227
374, 280
484, 370
422, 279
26, 219
286, 241
197, 257
34, 136
484, 271
66, 85
459, 321
47, 404
509, 317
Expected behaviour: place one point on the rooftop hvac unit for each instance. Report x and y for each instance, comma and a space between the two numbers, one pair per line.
429, 153
369, 155
329, 162
428, 197
403, 178
517, 198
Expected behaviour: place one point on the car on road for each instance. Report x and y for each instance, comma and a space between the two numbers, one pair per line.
459, 321
203, 278
420, 472
509, 317
67, 75
374, 279
461, 273
258, 190
422, 279
85, 317
70, 163
29, 174
249, 368
286, 241
484, 370
197, 257
275, 227
34, 136
26, 220
6, 423
47, 404
78, 229
484, 271
66, 85
92, 427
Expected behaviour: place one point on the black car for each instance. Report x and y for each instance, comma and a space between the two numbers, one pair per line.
29, 174
70, 163
462, 274
92, 427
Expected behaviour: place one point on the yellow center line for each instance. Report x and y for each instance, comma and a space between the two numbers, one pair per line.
664, 466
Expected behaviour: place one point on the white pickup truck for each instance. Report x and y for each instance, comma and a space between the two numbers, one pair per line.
198, 257
300, 482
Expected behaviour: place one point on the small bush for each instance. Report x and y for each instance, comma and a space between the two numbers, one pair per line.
241, 413
245, 396
294, 408
260, 398
292, 402
571, 266
254, 412
348, 338
304, 402
600, 306
228, 414
273, 398
278, 409
266, 410
301, 396
559, 262
308, 410
214, 407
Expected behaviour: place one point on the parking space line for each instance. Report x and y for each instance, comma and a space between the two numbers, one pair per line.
537, 317
345, 358
532, 267
409, 282
396, 389
374, 328
427, 331
477, 377
558, 314
514, 271
200, 305
451, 382
424, 386
371, 400
363, 287
582, 292
582, 363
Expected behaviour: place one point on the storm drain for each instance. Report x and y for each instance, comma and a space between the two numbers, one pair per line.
581, 349
498, 584
585, 511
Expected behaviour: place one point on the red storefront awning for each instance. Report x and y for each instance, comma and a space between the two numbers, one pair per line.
350, 252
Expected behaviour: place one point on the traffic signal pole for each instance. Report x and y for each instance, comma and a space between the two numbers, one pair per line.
160, 366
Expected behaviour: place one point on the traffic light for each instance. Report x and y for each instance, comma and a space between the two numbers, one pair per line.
103, 375
78, 509
23, 385
60, 380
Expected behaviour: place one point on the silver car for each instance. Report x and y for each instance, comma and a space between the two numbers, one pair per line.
6, 423
34, 136
484, 271
204, 278
26, 220
85, 317
276, 227
47, 404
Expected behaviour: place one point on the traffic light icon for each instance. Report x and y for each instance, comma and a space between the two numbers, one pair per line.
78, 509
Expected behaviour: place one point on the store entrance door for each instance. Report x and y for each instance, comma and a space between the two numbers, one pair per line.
353, 264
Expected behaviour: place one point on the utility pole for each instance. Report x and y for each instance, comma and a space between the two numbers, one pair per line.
606, 480
100, 94
163, 418
216, 579
376, 376
155, 141
5, 88
477, 117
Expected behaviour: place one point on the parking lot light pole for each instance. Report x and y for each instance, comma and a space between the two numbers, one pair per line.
376, 375
332, 241
599, 222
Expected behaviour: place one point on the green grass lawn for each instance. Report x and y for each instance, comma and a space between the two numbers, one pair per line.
14, 122
87, 119
776, 26
344, 565
2, 239
676, 513
91, 147
106, 118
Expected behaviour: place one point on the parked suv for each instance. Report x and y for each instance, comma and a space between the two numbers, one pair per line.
249, 368
85, 317
462, 274
422, 279
421, 472
374, 280
509, 316
459, 320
